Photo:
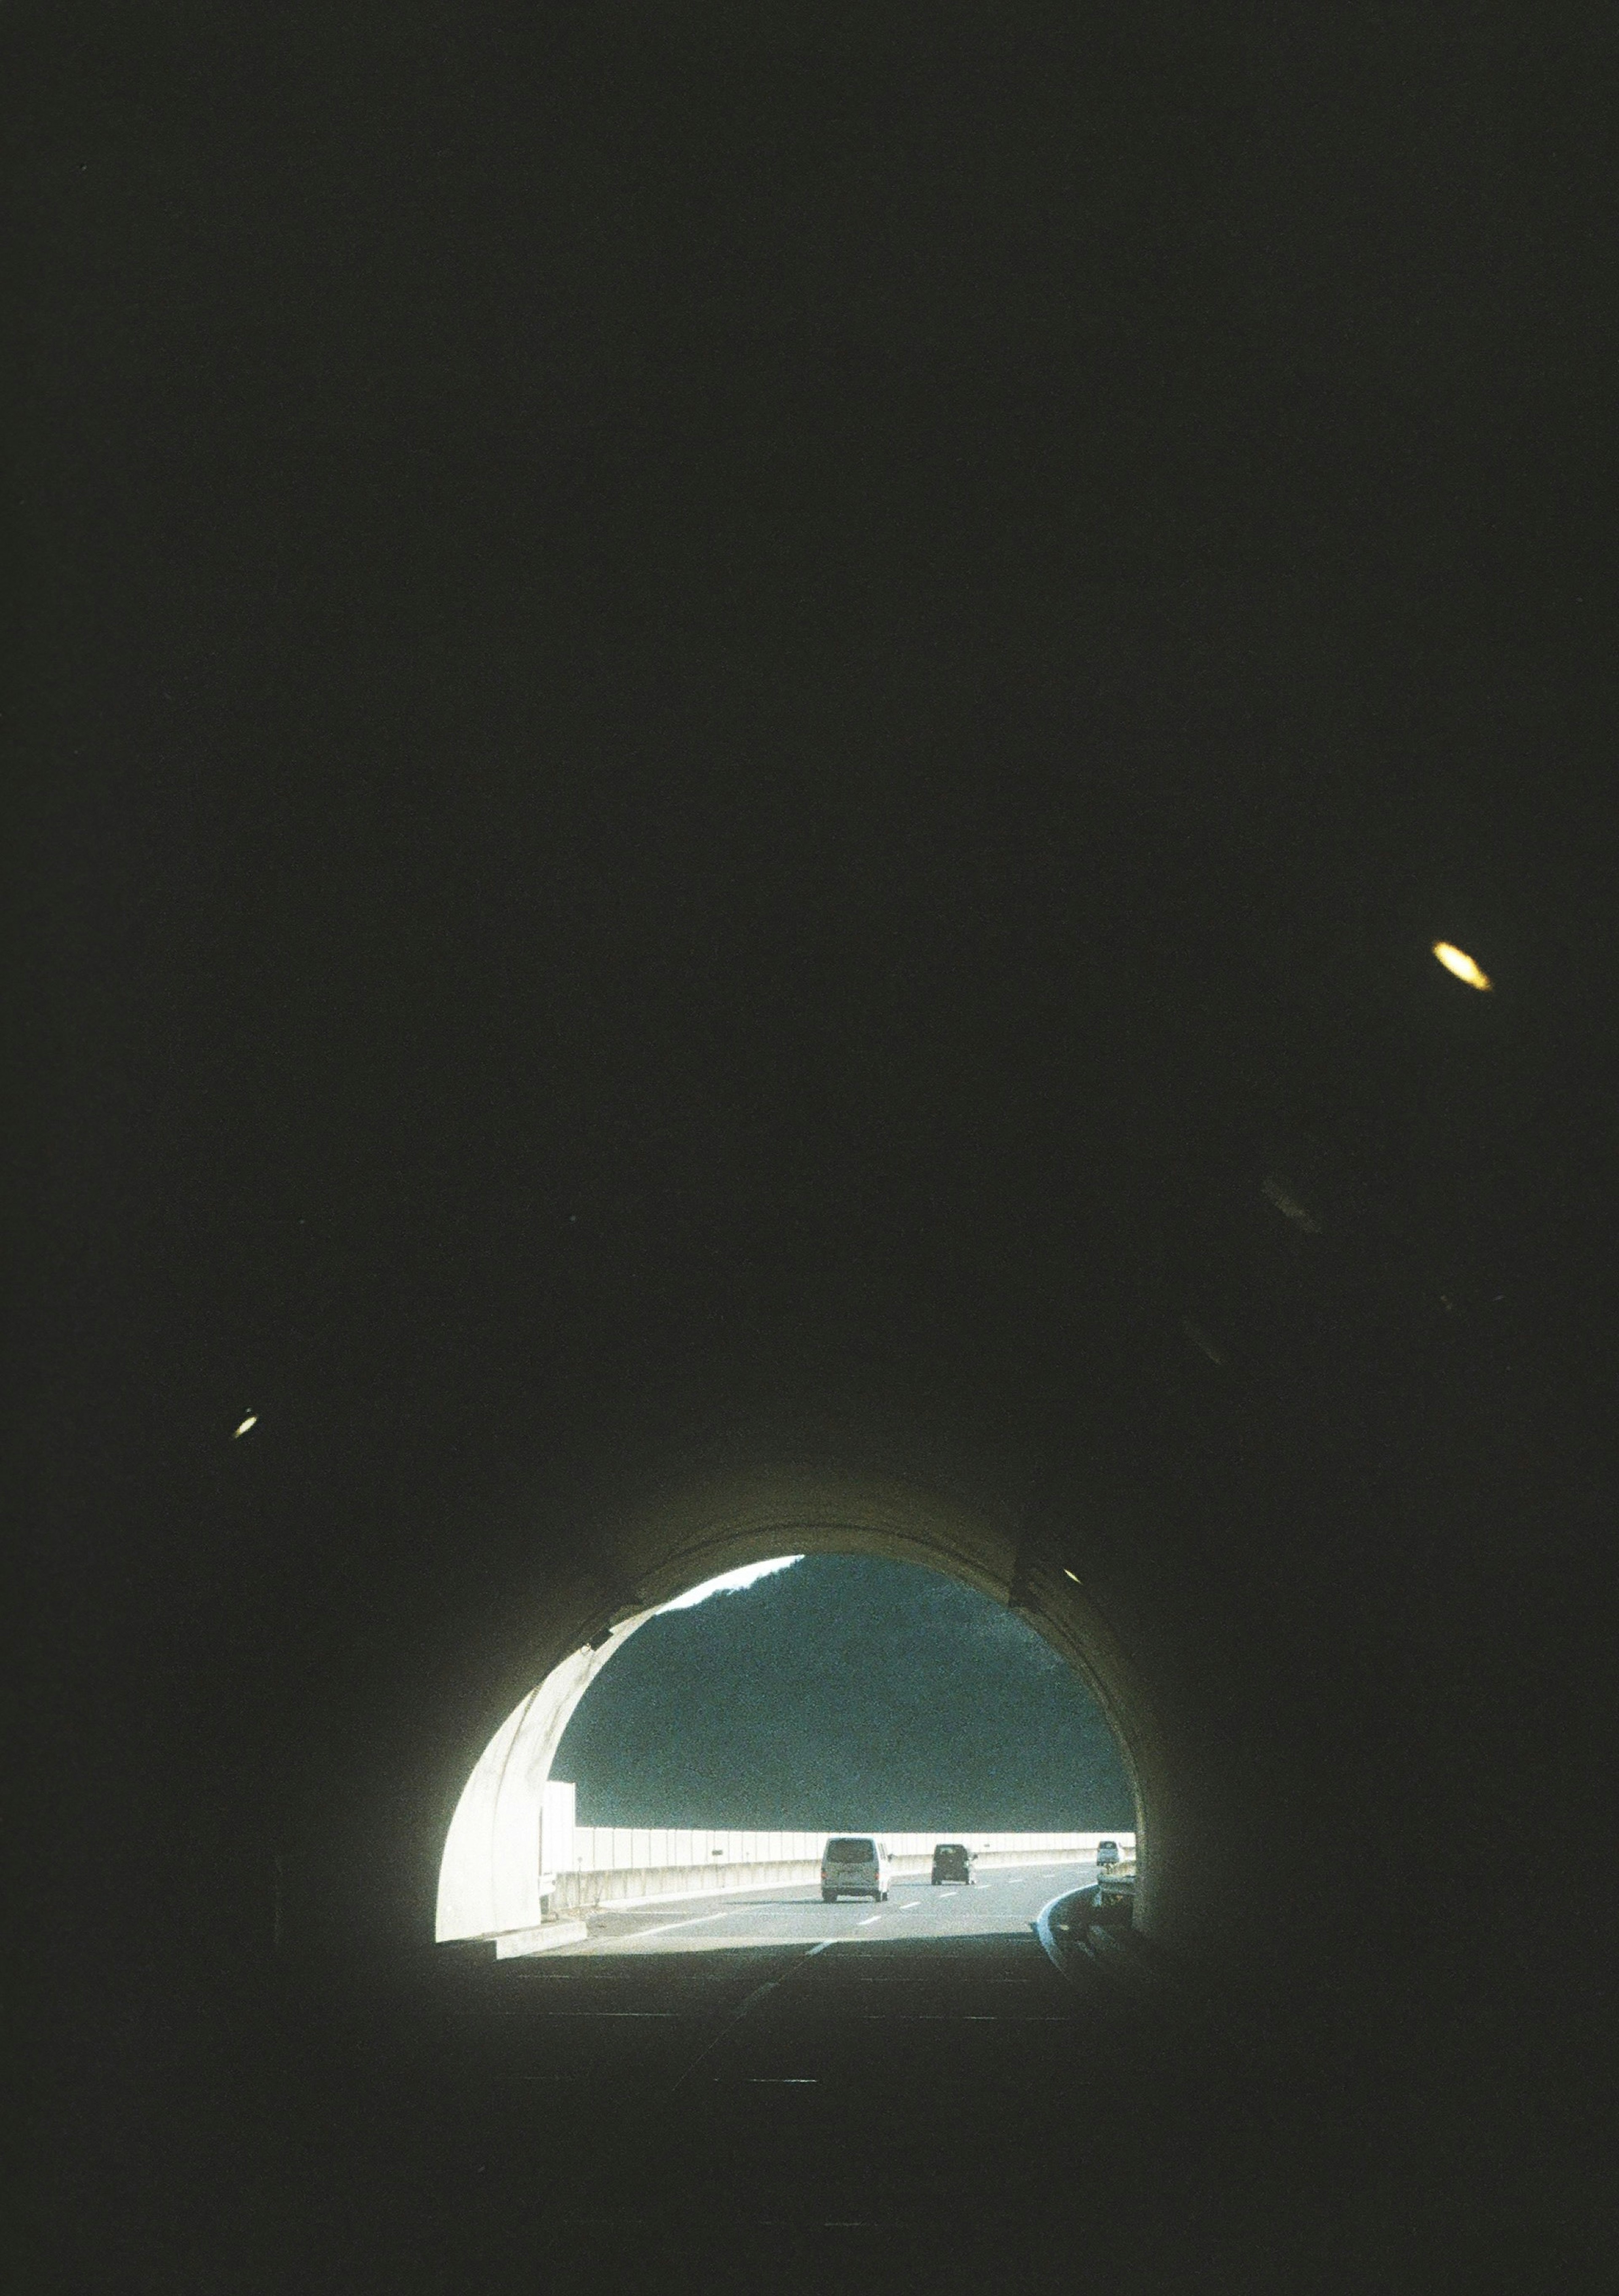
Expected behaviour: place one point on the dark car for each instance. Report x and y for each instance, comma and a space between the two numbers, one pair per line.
953, 1861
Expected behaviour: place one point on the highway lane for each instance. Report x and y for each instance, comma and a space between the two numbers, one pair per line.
1001, 1900
773, 2062
743, 2088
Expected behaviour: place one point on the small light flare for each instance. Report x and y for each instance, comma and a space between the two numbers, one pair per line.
1290, 1208
1074, 1575
1456, 960
250, 1421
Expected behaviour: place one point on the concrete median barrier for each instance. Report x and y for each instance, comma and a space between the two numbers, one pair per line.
635, 1865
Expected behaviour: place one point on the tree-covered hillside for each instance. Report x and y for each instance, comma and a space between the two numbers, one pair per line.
846, 1691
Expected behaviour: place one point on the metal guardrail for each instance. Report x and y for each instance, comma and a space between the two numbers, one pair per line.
1091, 1947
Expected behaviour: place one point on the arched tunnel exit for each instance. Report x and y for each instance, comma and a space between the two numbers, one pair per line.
489, 1875
508, 1865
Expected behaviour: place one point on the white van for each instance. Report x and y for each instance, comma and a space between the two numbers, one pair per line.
854, 1865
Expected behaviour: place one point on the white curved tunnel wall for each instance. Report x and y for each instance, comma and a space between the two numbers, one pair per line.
490, 1876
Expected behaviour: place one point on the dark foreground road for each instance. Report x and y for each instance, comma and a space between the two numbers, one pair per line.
893, 2097
826, 2101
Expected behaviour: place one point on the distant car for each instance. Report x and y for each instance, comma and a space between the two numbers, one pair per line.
953, 1861
1107, 1854
854, 1865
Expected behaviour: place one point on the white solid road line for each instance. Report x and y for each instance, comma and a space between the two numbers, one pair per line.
742, 2011
696, 1924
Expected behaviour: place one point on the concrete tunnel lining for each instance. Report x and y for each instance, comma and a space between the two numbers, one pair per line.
489, 1872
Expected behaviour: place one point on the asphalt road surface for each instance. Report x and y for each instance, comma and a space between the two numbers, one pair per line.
775, 2093
1000, 1900
769, 2079
779, 2092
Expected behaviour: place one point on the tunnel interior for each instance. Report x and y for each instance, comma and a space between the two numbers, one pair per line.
744, 758
1064, 1555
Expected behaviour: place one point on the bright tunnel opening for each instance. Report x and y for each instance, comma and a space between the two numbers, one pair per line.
836, 1695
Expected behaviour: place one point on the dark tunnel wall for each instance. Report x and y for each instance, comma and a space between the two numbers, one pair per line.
719, 757
1344, 1551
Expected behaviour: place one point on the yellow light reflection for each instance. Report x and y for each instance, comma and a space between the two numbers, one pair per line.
1457, 961
250, 1421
